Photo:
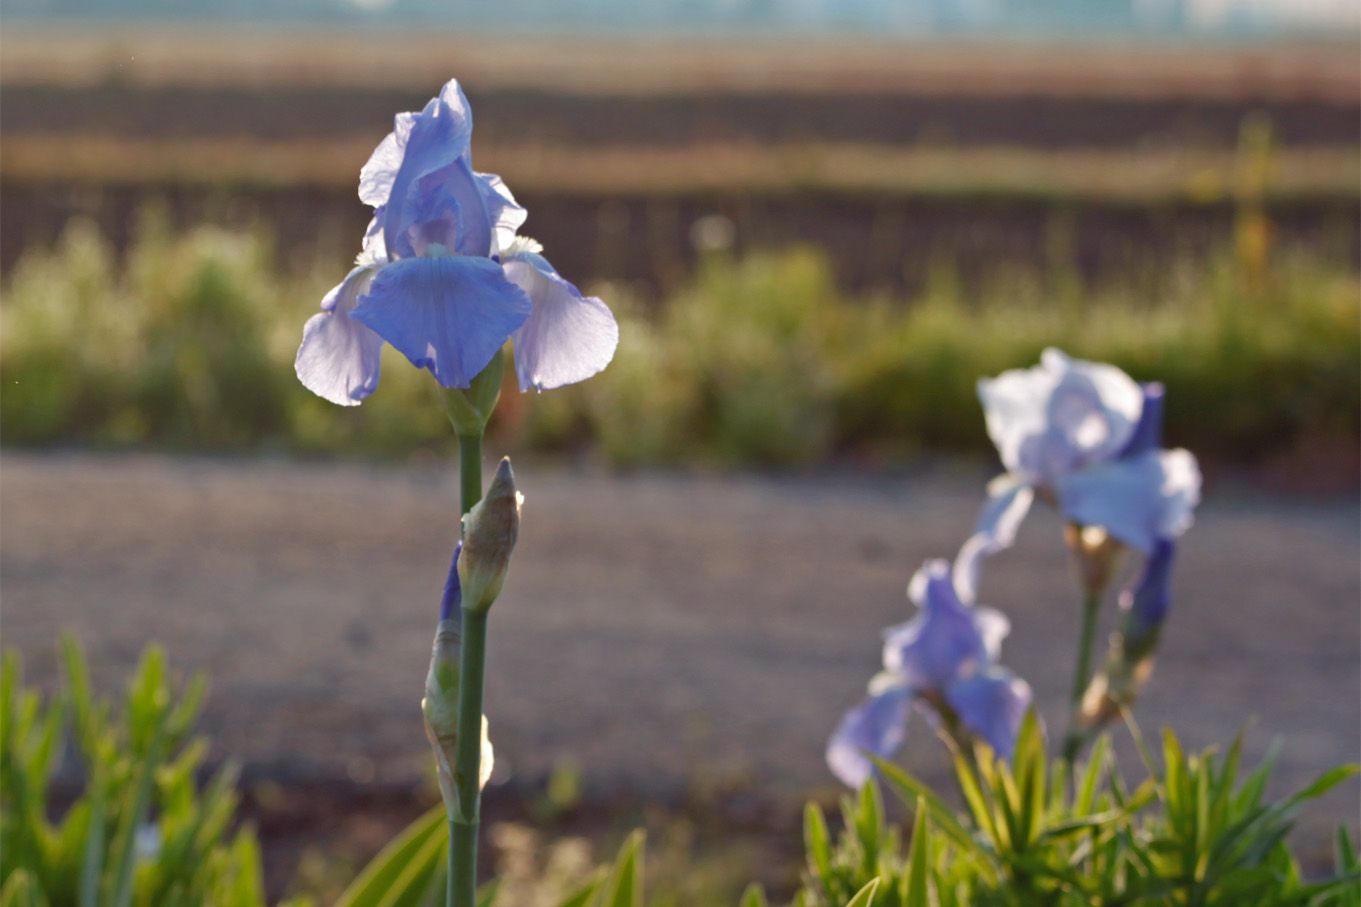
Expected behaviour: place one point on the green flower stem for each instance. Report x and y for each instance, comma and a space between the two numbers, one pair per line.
1082, 675
468, 763
468, 755
469, 470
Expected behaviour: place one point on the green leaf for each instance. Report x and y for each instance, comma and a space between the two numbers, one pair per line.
384, 871
865, 896
1091, 775
754, 896
914, 889
909, 789
625, 887
816, 839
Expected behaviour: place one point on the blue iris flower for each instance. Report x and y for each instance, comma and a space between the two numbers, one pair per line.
1087, 437
444, 278
943, 660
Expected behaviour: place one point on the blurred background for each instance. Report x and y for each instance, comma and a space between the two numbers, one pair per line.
819, 224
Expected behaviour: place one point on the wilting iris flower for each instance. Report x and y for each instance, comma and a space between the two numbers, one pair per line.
444, 278
943, 660
1086, 437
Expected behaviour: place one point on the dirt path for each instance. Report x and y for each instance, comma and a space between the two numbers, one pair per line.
662, 631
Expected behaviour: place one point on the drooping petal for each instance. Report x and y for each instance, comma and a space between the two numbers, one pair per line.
1137, 499
338, 359
991, 704
878, 727
1008, 503
506, 214
1148, 434
449, 314
944, 640
568, 337
1060, 415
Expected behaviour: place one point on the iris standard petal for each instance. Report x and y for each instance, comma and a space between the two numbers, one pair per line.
878, 727
505, 213
568, 337
375, 177
1137, 499
438, 138
1060, 415
449, 313
1008, 502
944, 640
338, 359
991, 704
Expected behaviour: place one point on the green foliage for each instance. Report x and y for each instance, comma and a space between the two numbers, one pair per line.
758, 361
1197, 831
140, 832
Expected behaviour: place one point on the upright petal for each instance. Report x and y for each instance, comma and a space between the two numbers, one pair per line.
945, 639
449, 314
338, 359
876, 727
991, 704
375, 177
568, 337
1008, 503
439, 137
505, 213
445, 207
1138, 499
1060, 415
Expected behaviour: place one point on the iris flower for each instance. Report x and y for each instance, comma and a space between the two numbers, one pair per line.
444, 278
1087, 438
944, 661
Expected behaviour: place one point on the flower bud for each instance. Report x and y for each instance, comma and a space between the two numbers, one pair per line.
489, 533
440, 706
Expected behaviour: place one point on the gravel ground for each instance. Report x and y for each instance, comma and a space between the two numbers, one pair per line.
665, 632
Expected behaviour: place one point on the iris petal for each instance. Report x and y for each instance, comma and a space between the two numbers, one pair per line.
438, 138
991, 704
1060, 415
1137, 499
338, 359
1008, 503
945, 639
568, 337
505, 213
375, 177
449, 314
877, 726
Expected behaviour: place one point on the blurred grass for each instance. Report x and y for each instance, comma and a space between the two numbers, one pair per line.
188, 344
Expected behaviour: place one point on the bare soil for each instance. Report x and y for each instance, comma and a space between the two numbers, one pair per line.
677, 637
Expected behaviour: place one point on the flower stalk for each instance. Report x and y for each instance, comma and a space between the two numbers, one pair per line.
490, 530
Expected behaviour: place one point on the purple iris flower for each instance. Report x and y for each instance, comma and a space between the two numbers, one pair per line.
943, 660
444, 278
1087, 437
